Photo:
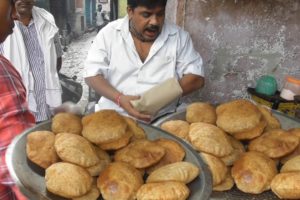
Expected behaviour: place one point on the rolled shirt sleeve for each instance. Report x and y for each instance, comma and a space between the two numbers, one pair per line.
188, 59
97, 61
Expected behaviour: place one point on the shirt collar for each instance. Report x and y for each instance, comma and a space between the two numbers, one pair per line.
20, 24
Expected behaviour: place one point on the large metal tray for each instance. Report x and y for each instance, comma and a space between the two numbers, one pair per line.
30, 178
235, 194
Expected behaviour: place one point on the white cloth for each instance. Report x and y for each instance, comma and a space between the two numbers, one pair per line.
114, 55
99, 19
15, 50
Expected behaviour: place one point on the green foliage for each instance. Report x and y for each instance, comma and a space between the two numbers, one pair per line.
122, 8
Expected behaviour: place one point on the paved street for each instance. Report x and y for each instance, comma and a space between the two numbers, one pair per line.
74, 58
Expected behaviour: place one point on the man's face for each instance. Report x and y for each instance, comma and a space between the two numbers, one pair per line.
24, 7
7, 16
147, 23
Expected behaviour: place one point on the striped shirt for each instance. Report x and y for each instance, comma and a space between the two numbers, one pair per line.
36, 61
35, 58
14, 119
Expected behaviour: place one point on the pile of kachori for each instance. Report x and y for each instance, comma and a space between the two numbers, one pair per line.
243, 145
107, 154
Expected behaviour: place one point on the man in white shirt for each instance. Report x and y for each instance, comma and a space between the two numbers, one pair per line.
131, 55
35, 50
101, 19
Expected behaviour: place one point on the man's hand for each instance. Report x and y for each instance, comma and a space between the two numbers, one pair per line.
126, 105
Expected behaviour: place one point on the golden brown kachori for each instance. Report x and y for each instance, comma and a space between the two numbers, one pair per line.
253, 172
237, 116
40, 148
180, 171
169, 190
286, 185
209, 138
138, 132
274, 143
117, 144
216, 166
178, 128
75, 149
140, 153
238, 149
253, 133
67, 180
225, 185
174, 153
272, 121
201, 112
296, 152
119, 181
104, 161
104, 126
291, 165
93, 194
66, 123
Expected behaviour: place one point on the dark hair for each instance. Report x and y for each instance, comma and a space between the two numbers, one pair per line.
146, 3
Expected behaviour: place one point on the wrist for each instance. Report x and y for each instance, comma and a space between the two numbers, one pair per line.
118, 99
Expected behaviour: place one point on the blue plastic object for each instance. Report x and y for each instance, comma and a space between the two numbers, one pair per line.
266, 85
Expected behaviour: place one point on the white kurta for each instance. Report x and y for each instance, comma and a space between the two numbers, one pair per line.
114, 55
15, 50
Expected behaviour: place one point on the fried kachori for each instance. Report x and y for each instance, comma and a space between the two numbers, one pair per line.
140, 153
119, 181
272, 121
292, 165
174, 153
104, 126
286, 185
253, 133
201, 112
75, 149
169, 190
119, 143
296, 152
210, 139
183, 172
275, 143
137, 131
253, 172
225, 185
237, 116
216, 166
68, 180
178, 128
103, 163
93, 194
40, 148
238, 149
66, 123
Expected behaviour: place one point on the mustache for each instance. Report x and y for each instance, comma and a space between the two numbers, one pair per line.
152, 28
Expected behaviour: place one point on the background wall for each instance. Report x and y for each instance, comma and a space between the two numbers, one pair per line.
240, 40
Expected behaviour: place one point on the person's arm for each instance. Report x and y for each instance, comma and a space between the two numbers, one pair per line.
59, 52
190, 83
189, 65
58, 64
15, 116
104, 88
